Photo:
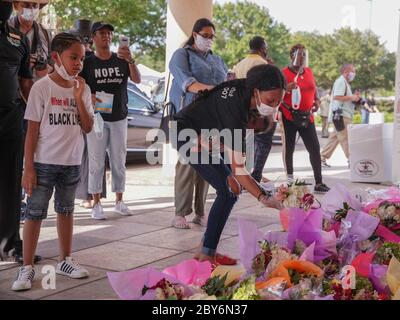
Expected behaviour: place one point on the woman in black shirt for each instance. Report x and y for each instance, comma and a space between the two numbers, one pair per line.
228, 110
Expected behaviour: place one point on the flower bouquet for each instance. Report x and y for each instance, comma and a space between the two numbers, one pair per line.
389, 214
296, 195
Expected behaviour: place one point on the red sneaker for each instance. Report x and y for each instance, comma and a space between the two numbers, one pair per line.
225, 260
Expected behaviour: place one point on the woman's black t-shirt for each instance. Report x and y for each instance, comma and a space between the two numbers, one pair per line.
111, 77
226, 107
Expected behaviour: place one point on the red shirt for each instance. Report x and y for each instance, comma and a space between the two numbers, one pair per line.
306, 83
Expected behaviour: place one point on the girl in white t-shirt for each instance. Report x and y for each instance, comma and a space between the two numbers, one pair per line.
59, 109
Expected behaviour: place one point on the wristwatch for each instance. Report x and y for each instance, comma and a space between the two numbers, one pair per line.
132, 61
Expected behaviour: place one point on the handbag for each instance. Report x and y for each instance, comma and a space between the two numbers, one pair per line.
169, 109
338, 120
167, 116
337, 117
301, 119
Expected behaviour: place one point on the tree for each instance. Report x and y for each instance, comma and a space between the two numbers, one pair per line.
237, 23
144, 21
375, 66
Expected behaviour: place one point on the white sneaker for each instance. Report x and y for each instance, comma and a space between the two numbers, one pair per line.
24, 279
122, 209
98, 212
72, 269
290, 179
268, 186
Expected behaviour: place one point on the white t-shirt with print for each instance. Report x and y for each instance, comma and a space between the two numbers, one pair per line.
60, 136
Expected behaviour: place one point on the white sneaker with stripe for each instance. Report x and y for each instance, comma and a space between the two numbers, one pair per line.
72, 269
26, 274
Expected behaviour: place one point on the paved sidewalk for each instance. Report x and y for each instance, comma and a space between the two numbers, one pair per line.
146, 238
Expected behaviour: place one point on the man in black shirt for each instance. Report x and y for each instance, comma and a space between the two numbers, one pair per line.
229, 109
107, 74
15, 74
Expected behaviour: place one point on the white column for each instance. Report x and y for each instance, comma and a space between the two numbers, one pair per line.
181, 16
396, 138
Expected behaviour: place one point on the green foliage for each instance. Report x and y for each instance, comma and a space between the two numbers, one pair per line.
386, 251
375, 66
237, 23
342, 212
215, 286
144, 21
247, 290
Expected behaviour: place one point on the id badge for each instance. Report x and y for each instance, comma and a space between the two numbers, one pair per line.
106, 104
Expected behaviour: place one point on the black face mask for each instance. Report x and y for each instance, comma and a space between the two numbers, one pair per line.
5, 10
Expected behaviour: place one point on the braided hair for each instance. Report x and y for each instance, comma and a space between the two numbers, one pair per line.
63, 41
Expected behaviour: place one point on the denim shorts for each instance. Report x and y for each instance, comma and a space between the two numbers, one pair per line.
64, 179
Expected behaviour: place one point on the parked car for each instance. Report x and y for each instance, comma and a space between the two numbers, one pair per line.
157, 92
143, 115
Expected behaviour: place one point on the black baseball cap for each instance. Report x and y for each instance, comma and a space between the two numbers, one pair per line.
100, 25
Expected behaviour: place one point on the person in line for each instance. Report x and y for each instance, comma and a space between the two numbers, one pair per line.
15, 77
324, 113
262, 142
83, 29
297, 116
107, 75
342, 105
39, 40
195, 68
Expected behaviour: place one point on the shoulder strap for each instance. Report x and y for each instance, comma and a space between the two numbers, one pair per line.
47, 36
167, 87
187, 57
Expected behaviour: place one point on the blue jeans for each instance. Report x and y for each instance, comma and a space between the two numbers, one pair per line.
64, 179
364, 116
263, 144
216, 173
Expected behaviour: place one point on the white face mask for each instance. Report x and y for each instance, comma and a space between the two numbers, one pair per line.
63, 72
352, 76
98, 125
264, 109
203, 44
30, 14
296, 98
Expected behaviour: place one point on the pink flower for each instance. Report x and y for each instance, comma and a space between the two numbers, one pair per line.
308, 199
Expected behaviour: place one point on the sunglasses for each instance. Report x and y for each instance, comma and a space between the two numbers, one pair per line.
207, 36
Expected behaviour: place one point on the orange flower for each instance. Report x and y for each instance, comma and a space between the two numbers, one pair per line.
282, 271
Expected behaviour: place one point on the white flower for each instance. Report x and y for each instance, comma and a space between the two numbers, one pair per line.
381, 212
391, 211
201, 296
291, 202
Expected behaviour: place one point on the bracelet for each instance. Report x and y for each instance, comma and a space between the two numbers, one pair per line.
263, 193
132, 61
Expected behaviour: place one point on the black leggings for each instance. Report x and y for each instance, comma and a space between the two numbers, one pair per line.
310, 139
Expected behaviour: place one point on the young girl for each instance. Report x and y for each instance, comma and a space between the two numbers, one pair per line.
59, 109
